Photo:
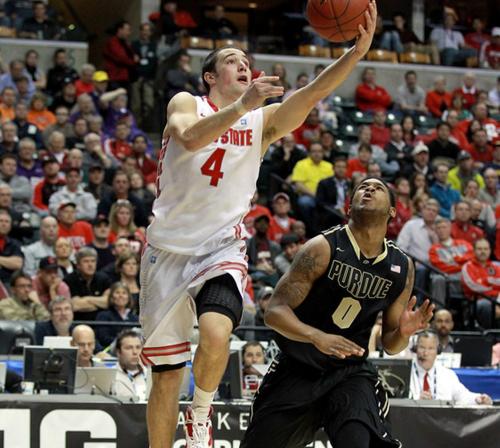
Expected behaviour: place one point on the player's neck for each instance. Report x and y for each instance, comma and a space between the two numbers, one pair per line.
370, 238
220, 100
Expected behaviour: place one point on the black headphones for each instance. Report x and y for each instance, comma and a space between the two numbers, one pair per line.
425, 333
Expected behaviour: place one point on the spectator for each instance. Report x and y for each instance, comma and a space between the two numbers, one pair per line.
22, 87
131, 376
121, 217
16, 71
438, 100
65, 97
450, 43
47, 283
431, 381
409, 130
299, 228
404, 209
143, 193
489, 56
490, 193
443, 325
290, 246
64, 254
9, 143
420, 165
27, 165
306, 176
104, 249
256, 210
74, 161
62, 125
121, 247
463, 172
218, 26
60, 322
369, 95
7, 104
20, 186
411, 97
457, 136
174, 23
448, 255
482, 215
380, 132
96, 185
145, 163
85, 83
480, 114
117, 112
468, 90
41, 249
94, 155
494, 95
78, 232
442, 146
476, 38
285, 156
442, 191
480, 278
61, 73
86, 205
252, 353
11, 258
332, 195
280, 221
39, 26
36, 75
6, 205
360, 164
301, 81
397, 150
23, 303
57, 146
89, 289
395, 39
119, 310
38, 114
83, 337
263, 297
479, 149
462, 228
119, 57
25, 128
261, 253
85, 108
310, 130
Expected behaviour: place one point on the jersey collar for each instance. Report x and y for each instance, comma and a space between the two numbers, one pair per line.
357, 250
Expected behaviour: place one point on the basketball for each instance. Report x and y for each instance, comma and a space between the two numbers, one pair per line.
337, 20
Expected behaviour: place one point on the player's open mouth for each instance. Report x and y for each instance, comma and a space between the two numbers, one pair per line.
243, 79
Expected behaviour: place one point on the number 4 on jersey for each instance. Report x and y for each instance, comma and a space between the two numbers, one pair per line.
213, 167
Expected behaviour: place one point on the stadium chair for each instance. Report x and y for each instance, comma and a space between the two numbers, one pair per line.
359, 117
14, 335
472, 62
337, 52
314, 50
348, 132
382, 56
413, 57
426, 122
197, 42
242, 44
343, 103
392, 118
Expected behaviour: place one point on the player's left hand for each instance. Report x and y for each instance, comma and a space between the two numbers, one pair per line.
412, 321
364, 40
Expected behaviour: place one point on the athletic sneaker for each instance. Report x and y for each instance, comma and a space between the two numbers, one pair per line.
198, 434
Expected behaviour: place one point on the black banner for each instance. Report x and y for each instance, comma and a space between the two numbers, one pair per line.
57, 424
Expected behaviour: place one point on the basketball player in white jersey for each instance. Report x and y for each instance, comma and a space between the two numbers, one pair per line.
194, 265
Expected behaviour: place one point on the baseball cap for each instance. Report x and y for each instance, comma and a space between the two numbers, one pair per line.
495, 32
463, 155
419, 147
48, 159
66, 204
281, 195
47, 263
100, 76
265, 292
99, 219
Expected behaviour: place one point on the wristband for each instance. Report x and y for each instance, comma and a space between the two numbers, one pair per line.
240, 108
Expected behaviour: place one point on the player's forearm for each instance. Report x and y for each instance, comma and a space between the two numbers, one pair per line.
282, 319
394, 342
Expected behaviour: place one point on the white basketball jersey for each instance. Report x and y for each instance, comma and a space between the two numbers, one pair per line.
202, 196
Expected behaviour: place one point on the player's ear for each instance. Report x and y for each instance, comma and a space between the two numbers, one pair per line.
209, 78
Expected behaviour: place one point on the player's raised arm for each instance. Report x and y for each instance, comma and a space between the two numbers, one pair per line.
400, 321
308, 265
289, 115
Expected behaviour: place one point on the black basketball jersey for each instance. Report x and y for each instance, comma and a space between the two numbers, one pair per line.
346, 299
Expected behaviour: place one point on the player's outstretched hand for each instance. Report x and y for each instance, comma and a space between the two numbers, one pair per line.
412, 320
364, 40
334, 345
259, 90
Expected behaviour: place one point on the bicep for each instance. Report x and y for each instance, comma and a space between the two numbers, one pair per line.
181, 114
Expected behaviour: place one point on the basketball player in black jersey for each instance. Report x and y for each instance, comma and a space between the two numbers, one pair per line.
323, 309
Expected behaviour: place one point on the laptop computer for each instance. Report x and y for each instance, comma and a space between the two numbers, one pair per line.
95, 380
57, 341
395, 375
475, 349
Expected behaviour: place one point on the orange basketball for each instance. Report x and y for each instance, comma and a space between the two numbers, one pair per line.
337, 20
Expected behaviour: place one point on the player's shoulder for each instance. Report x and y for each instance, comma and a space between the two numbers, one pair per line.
182, 102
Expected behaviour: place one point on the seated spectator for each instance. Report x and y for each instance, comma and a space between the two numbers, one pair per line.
121, 247
27, 165
60, 322
280, 221
482, 215
285, 156
490, 193
397, 150
255, 211
480, 113
6, 205
47, 283
120, 309
66, 97
263, 297
480, 278
252, 353
420, 163
64, 254
89, 289
145, 164
360, 164
404, 209
380, 132
96, 184
127, 270
94, 155
299, 228
42, 248
332, 195
139, 190
9, 141
16, 71
261, 252
489, 55
25, 128
23, 93
7, 104
85, 108
35, 74
438, 100
85, 84
118, 147
457, 105
131, 377
394, 40
310, 130
60, 73
23, 304
121, 218
463, 172
74, 161
468, 90
39, 26
306, 176
57, 147
442, 146
369, 95
61, 124
431, 381
479, 149
301, 81
448, 255
218, 26
442, 191
411, 97
290, 246
450, 43
181, 78
462, 227
457, 136
83, 337
11, 258
20, 186
443, 325
409, 130
78, 232
476, 38
38, 113
101, 229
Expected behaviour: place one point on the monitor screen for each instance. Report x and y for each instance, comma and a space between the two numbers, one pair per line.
51, 369
232, 382
394, 375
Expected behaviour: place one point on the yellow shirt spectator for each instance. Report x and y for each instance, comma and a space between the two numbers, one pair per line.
309, 173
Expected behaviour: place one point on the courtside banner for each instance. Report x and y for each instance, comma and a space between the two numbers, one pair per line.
56, 422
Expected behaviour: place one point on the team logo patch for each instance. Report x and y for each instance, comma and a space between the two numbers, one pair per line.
396, 268
152, 260
243, 121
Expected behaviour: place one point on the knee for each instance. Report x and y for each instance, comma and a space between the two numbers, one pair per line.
215, 339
